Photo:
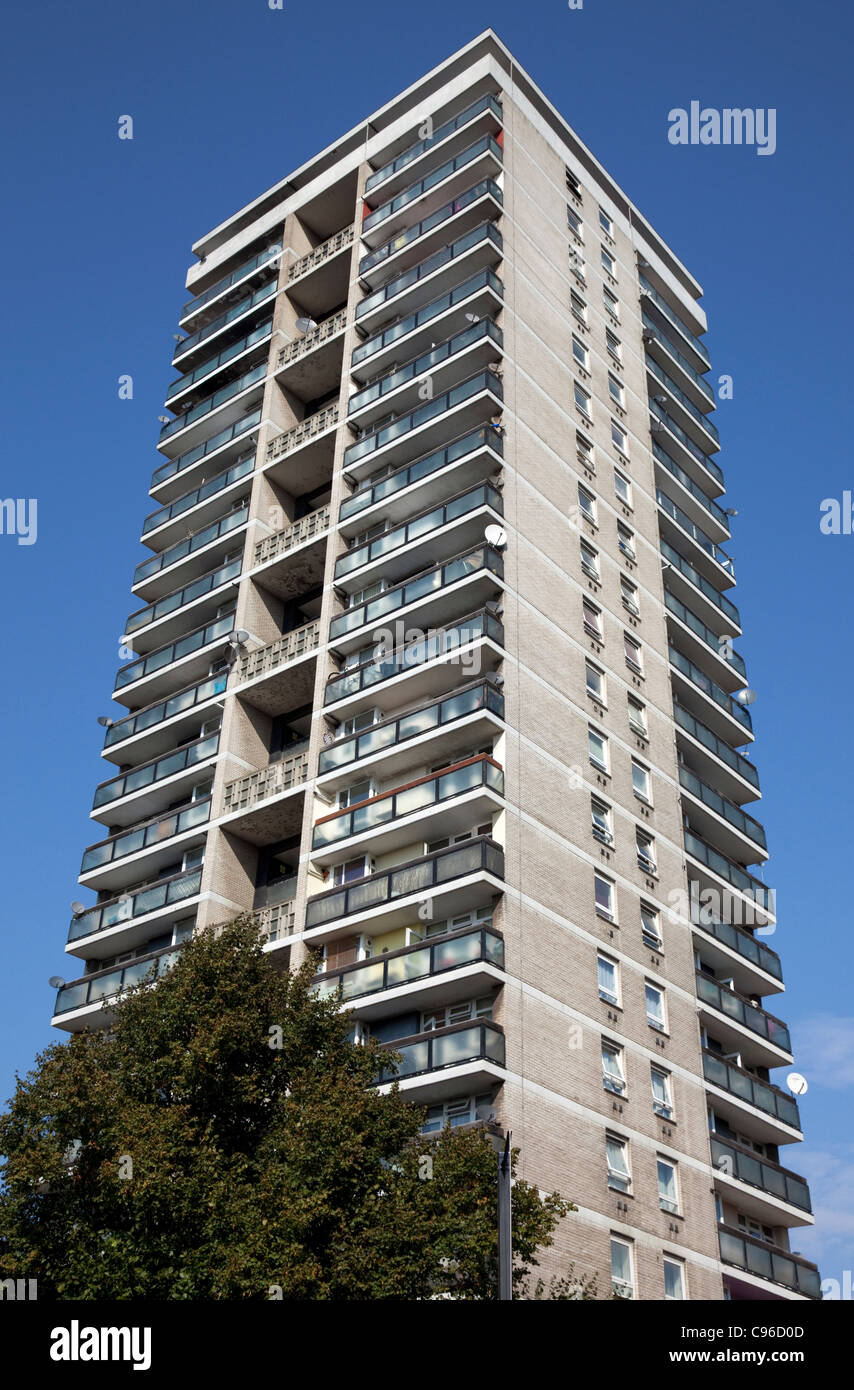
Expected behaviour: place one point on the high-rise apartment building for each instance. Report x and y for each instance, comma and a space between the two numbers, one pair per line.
433, 672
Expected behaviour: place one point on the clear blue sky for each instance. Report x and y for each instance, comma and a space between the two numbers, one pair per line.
227, 98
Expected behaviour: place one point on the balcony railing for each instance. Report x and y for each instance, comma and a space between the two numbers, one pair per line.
424, 524
485, 279
394, 732
654, 331
313, 425
485, 232
690, 486
382, 435
723, 807
228, 281
225, 393
151, 832
213, 364
417, 877
370, 493
744, 1086
166, 656
699, 628
682, 329
744, 942
703, 420
192, 499
484, 103
769, 1262
138, 903
426, 792
736, 1007
682, 519
300, 347
428, 581
422, 366
164, 709
243, 793
244, 306
191, 544
694, 577
105, 984
659, 413
338, 242
307, 528
171, 603
739, 764
216, 441
486, 187
446, 1047
159, 768
442, 643
714, 692
746, 1167
486, 143
410, 963
733, 873
299, 642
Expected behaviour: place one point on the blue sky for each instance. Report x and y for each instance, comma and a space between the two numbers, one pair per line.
228, 97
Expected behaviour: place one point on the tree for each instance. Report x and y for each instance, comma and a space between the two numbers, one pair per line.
224, 1140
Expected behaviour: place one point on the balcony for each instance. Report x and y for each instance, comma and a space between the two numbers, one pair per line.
723, 568
680, 407
710, 642
734, 874
468, 714
227, 396
723, 713
195, 651
310, 366
103, 867
87, 998
185, 760
487, 106
707, 512
740, 1164
770, 1108
184, 702
476, 346
700, 589
212, 365
262, 266
434, 276
279, 678
429, 666
421, 239
463, 877
769, 1262
168, 520
482, 160
472, 456
260, 808
440, 592
669, 356
478, 952
127, 918
229, 440
665, 431
320, 278
242, 309
481, 294
464, 407
174, 605
476, 787
742, 769
147, 571
745, 826
301, 458
291, 562
727, 1006
479, 1047
696, 351
761, 966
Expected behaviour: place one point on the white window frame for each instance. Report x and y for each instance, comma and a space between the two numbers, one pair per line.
620, 478
663, 1108
645, 796
603, 764
581, 353
587, 407
574, 222
609, 914
600, 814
618, 1180
612, 303
609, 262
623, 1288
646, 935
590, 560
602, 679
668, 1260
613, 1081
660, 1025
606, 223
592, 627
637, 723
589, 512
668, 1204
619, 438
646, 851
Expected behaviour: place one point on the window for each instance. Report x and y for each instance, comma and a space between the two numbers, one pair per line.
617, 1156
583, 400
592, 620
668, 1197
623, 487
661, 1101
614, 345
584, 451
630, 596
655, 1008
601, 815
587, 504
674, 1278
572, 182
353, 869
622, 1281
457, 1112
612, 303
619, 438
613, 1078
646, 852
580, 353
640, 782
637, 717
756, 1229
615, 389
433, 845
456, 1013
590, 561
575, 221
359, 791
595, 680
579, 308
597, 747
605, 223
576, 263
634, 657
603, 894
608, 261
650, 926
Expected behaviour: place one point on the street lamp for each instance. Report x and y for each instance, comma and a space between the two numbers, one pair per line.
501, 1144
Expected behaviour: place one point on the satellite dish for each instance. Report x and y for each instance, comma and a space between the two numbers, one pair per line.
305, 324
77, 908
238, 637
56, 982
796, 1083
105, 721
745, 697
496, 535
328, 738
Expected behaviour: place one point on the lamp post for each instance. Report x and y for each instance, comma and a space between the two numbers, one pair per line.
501, 1144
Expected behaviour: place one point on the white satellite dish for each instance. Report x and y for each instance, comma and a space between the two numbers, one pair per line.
796, 1083
496, 535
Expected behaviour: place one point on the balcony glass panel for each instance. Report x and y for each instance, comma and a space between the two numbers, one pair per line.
448, 1048
136, 904
700, 582
736, 761
372, 492
170, 603
244, 306
743, 942
226, 393
428, 582
153, 832
688, 483
682, 519
671, 347
165, 656
191, 544
414, 963
216, 441
742, 1011
187, 756
687, 404
212, 364
674, 320
715, 692
436, 176
427, 224
769, 1262
698, 627
419, 366
183, 504
484, 103
399, 329
165, 709
446, 640
99, 987
394, 805
733, 873
771, 1101
485, 232
722, 807
758, 1172
434, 520
247, 268
397, 731
404, 424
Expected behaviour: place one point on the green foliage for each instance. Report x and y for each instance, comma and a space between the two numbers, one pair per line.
183, 1156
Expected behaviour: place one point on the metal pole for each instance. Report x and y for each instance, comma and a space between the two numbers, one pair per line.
505, 1237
